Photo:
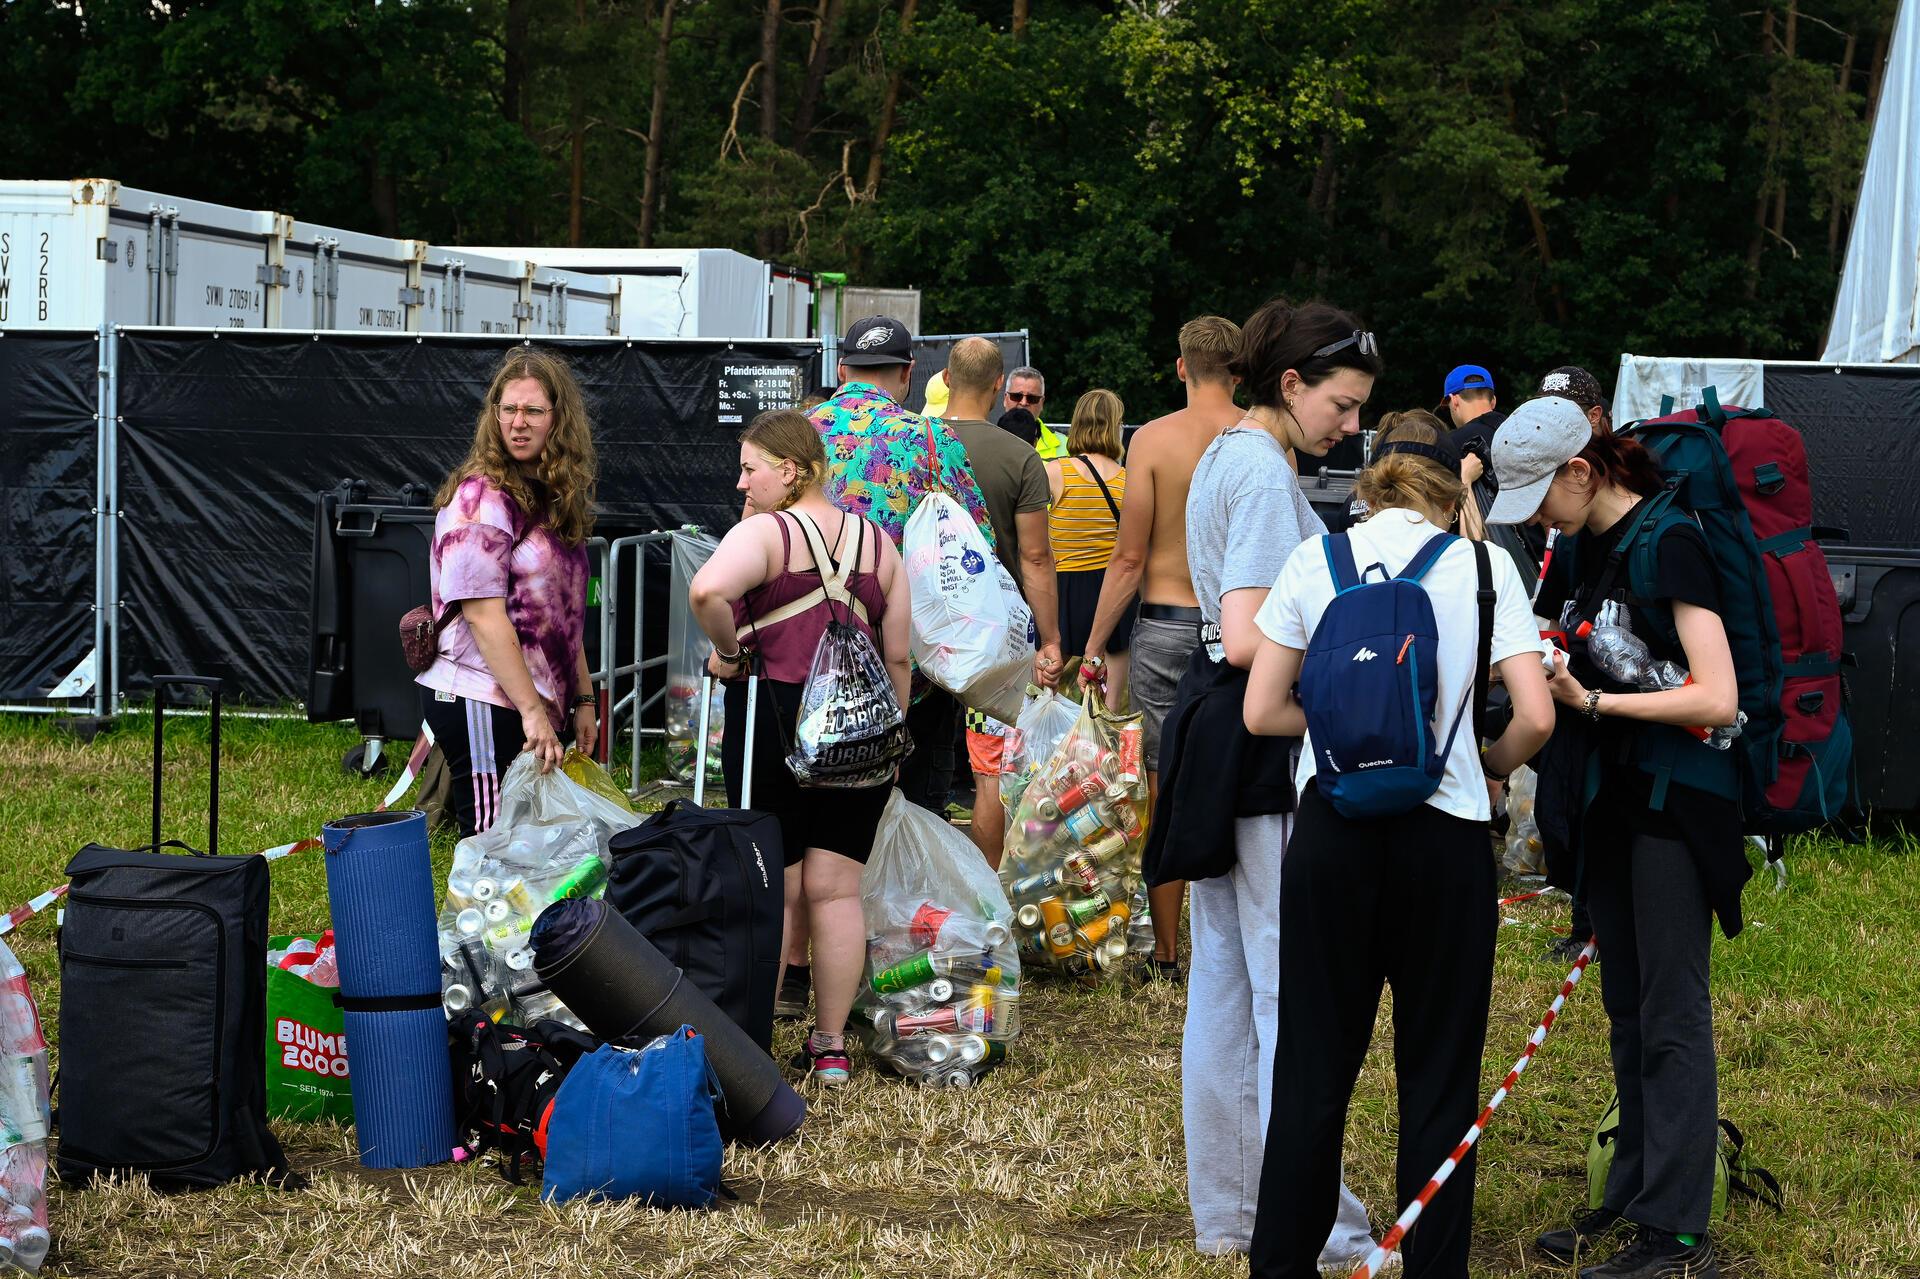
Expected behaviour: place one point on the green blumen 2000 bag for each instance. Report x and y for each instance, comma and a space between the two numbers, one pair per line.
306, 1041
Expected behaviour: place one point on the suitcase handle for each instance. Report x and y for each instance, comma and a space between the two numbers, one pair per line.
161, 683
746, 754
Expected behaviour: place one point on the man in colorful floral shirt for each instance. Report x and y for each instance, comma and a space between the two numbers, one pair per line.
881, 460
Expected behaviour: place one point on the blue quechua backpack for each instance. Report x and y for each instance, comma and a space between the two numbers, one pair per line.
1370, 679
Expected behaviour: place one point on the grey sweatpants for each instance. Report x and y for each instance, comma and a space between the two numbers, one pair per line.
1226, 1059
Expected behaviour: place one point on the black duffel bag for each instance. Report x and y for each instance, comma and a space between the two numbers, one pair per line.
706, 886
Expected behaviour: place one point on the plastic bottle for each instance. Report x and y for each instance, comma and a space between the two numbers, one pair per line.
1616, 650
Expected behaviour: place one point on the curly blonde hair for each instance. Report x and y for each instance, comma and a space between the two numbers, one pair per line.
558, 490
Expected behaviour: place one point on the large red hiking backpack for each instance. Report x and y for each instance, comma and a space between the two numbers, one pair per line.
1742, 474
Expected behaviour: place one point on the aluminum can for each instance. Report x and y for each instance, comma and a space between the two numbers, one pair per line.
456, 998
1039, 830
485, 890
515, 891
940, 990
583, 880
1084, 910
997, 935
1084, 824
1081, 868
1059, 931
1108, 845
1132, 753
907, 974
1081, 793
939, 1048
499, 910
1028, 917
1036, 883
1112, 923
471, 922
1046, 808
935, 1020
927, 922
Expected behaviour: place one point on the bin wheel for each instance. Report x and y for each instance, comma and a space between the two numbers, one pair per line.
355, 762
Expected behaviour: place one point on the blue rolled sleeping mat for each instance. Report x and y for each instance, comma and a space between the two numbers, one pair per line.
623, 988
380, 886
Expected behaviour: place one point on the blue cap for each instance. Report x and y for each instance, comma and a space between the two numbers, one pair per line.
1466, 378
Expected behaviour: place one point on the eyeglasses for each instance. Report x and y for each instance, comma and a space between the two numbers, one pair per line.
1024, 397
534, 413
1367, 343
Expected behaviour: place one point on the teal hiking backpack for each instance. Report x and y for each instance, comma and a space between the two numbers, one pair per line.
1741, 476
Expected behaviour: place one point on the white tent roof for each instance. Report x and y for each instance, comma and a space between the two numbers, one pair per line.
1876, 317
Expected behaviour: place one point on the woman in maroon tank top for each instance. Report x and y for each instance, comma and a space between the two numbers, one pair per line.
760, 600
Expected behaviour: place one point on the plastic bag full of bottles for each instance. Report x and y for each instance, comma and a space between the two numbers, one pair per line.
548, 843
1072, 863
941, 1000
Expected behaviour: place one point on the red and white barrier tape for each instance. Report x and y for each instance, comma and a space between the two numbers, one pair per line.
415, 761
1378, 1257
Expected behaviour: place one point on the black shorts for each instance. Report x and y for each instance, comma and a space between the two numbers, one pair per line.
1079, 599
840, 821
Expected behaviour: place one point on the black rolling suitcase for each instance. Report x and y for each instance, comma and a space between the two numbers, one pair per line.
163, 989
707, 885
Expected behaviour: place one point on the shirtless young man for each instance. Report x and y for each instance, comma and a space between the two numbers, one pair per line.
1150, 560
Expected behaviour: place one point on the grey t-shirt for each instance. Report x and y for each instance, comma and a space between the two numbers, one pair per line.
1245, 514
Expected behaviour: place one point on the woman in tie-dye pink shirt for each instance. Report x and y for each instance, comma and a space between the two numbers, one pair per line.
509, 548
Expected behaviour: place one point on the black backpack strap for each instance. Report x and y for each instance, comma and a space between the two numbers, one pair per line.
1104, 491
1483, 658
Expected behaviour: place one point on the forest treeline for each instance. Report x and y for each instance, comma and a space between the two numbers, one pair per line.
1518, 182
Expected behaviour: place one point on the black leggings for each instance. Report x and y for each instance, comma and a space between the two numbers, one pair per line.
1404, 900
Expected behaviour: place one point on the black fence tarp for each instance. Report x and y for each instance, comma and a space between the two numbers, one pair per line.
1862, 428
48, 462
226, 440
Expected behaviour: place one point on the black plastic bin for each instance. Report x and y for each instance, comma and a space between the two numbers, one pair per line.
370, 566
1879, 592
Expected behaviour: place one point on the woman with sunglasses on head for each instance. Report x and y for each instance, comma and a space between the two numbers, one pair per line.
1390, 898
1306, 371
509, 583
1660, 845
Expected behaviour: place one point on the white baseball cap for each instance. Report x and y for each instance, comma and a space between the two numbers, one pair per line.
1529, 449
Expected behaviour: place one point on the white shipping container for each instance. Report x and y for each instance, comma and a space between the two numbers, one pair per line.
857, 303
684, 293
90, 252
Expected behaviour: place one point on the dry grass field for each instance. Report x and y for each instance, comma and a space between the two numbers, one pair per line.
1067, 1161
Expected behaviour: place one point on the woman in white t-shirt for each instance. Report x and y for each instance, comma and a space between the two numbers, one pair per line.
1406, 900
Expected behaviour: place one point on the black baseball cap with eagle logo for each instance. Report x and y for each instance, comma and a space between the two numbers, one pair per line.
876, 340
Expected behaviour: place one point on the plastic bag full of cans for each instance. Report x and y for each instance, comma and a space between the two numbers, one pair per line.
24, 1120
1525, 853
1072, 863
941, 1000
548, 843
1044, 723
687, 648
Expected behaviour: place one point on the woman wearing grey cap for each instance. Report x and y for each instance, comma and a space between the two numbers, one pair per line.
1659, 841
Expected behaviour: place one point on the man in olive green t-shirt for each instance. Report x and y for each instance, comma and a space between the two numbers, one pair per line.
1013, 480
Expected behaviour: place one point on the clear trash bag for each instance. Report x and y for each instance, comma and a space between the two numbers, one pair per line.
941, 997
1525, 854
972, 633
851, 732
1072, 863
548, 843
1044, 723
687, 649
24, 1120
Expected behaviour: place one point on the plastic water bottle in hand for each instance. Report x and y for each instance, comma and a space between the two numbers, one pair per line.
1617, 651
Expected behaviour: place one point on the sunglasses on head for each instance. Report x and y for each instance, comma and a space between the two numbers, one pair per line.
1367, 343
1024, 397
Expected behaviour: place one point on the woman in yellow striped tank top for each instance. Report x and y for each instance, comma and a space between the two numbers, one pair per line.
1088, 486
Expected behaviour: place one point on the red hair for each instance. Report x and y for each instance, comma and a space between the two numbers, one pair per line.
1626, 462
